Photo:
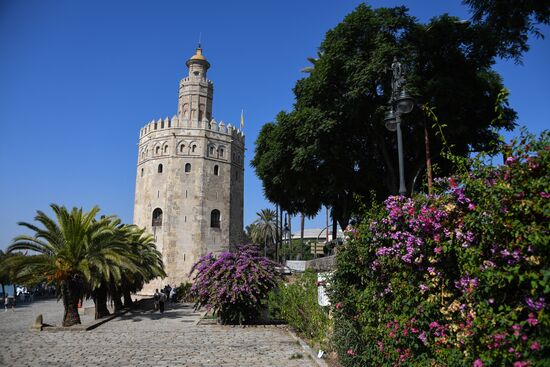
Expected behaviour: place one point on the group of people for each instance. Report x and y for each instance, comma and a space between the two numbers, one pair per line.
160, 298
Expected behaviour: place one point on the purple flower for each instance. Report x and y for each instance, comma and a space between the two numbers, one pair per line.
535, 305
478, 363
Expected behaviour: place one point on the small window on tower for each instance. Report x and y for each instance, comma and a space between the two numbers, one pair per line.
165, 149
188, 167
215, 218
193, 148
160, 168
142, 172
157, 150
197, 73
221, 152
182, 147
157, 217
211, 151
216, 170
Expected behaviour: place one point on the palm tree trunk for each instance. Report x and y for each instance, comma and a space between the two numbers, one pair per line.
100, 302
116, 301
70, 292
127, 298
3, 290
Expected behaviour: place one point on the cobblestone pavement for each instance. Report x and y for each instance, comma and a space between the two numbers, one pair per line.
144, 338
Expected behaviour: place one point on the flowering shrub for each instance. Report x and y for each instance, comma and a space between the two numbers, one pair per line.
458, 278
234, 284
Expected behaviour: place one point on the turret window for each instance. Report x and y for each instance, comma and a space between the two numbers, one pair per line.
188, 167
157, 150
142, 172
193, 148
211, 151
160, 168
182, 147
215, 218
221, 152
216, 170
157, 217
165, 149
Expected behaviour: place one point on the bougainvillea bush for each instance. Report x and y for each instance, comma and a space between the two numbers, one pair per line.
457, 278
233, 284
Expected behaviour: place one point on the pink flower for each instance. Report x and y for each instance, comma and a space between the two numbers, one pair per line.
535, 346
438, 250
545, 195
339, 305
532, 320
521, 364
351, 352
478, 363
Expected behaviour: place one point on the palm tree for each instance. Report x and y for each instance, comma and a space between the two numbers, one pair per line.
148, 261
68, 249
265, 229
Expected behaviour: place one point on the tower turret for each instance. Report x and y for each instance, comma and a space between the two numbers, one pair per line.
196, 92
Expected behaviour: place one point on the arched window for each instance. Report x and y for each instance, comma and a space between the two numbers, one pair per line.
182, 147
215, 218
193, 148
142, 172
157, 217
160, 168
216, 170
165, 149
221, 152
211, 151
157, 150
188, 167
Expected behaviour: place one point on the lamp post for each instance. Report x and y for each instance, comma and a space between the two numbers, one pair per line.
288, 236
400, 103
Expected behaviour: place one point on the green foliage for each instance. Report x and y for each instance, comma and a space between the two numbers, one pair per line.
336, 129
458, 278
511, 22
296, 302
183, 292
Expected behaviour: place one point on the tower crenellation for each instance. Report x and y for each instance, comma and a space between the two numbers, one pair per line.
189, 179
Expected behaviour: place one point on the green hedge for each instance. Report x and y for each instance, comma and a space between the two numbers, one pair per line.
296, 303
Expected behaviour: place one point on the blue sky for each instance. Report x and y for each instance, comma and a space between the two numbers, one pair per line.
79, 78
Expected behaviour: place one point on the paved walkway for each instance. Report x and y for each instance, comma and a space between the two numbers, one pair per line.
143, 338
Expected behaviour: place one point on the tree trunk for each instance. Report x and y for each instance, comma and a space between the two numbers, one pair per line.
116, 301
127, 298
302, 225
3, 290
100, 302
70, 293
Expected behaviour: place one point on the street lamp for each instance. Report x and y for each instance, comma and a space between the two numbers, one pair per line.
400, 103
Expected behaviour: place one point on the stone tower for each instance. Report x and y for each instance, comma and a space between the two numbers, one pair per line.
189, 182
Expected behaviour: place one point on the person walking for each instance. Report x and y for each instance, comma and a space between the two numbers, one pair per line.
173, 295
162, 299
6, 303
156, 299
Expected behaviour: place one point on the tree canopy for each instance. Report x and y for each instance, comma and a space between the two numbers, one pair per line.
511, 22
333, 144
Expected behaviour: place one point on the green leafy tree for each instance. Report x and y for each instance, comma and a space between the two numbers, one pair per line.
511, 22
333, 145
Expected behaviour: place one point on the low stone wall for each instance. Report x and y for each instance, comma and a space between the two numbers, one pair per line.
322, 264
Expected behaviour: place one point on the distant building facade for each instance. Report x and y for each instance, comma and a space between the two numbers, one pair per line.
189, 182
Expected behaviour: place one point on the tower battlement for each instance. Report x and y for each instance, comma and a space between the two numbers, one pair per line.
176, 123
